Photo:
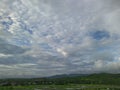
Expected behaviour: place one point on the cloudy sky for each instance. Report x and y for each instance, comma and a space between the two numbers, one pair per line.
48, 37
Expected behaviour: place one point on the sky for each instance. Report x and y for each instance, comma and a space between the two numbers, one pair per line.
41, 38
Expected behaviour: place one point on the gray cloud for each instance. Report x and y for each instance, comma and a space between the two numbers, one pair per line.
17, 59
6, 48
49, 37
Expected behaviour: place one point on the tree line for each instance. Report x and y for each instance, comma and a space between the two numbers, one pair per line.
106, 79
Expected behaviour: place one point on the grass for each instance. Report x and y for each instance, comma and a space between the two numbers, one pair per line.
62, 87
101, 81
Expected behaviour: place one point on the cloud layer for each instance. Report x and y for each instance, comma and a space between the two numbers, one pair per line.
48, 37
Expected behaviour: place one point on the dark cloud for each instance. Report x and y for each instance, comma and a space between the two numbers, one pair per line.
7, 48
17, 59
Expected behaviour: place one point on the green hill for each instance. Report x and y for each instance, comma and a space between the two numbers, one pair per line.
101, 79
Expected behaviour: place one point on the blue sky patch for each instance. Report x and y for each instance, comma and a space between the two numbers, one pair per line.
98, 35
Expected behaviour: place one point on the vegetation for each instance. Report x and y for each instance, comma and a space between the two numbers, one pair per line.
62, 87
67, 82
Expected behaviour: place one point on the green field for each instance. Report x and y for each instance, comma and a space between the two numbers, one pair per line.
90, 82
62, 87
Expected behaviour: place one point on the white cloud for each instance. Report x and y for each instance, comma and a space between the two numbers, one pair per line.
55, 37
5, 55
62, 52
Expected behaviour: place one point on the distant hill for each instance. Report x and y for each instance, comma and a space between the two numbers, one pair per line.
68, 75
100, 79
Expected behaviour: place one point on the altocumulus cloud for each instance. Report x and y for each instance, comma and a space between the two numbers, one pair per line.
48, 37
